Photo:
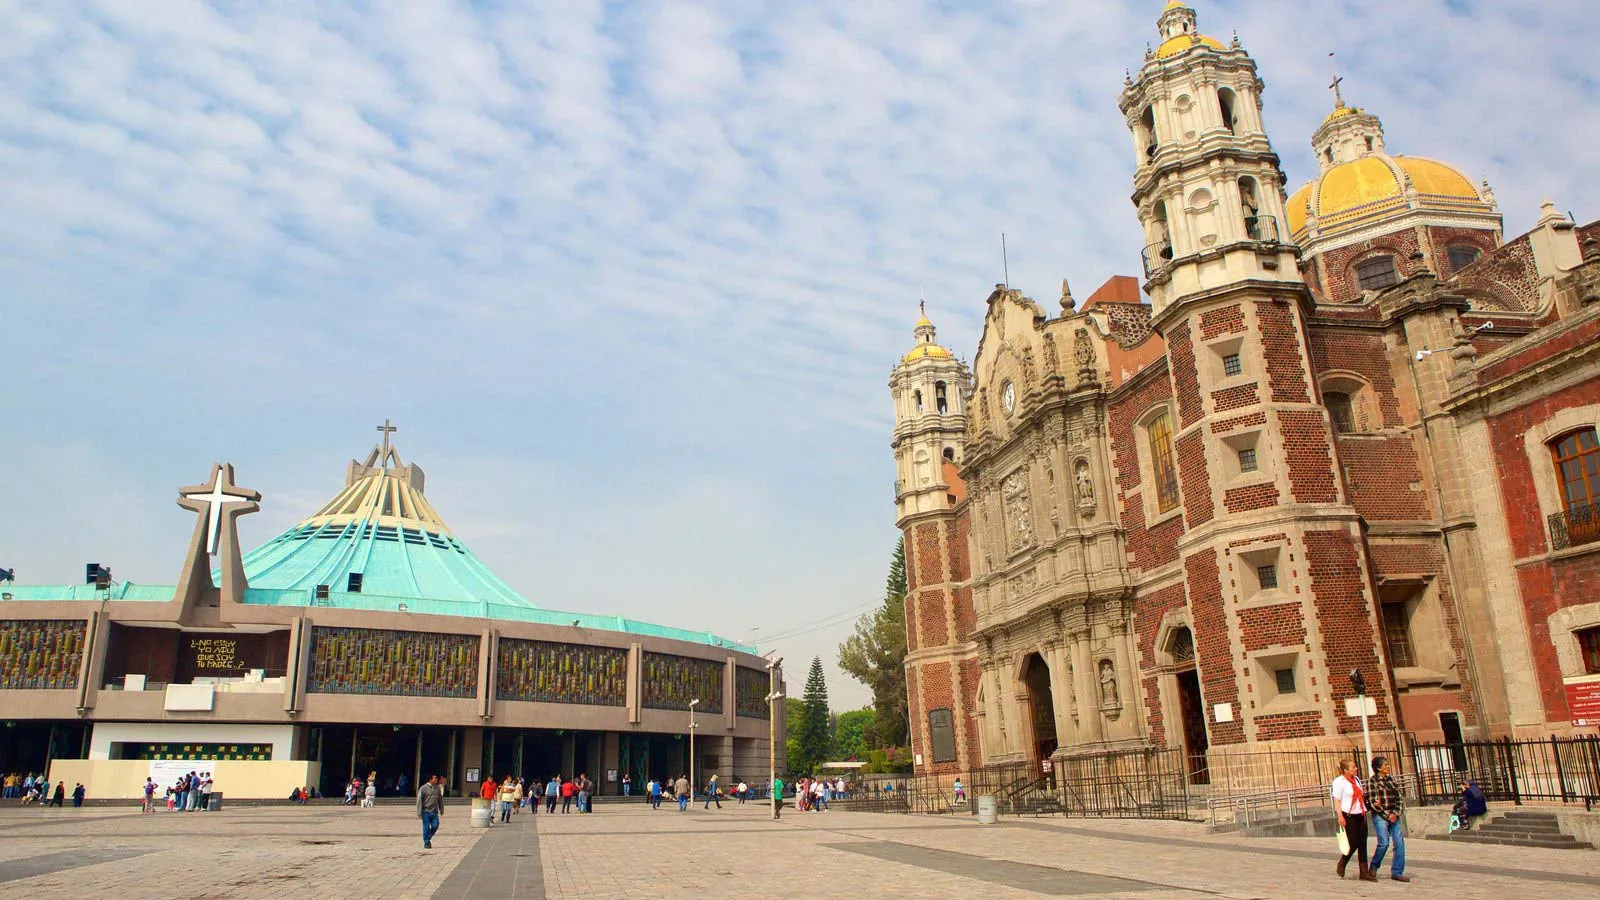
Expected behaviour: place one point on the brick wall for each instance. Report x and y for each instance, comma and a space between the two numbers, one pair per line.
1278, 625
1504, 279
1288, 725
1305, 441
1218, 683
1224, 320
1445, 238
1362, 352
1384, 477
1185, 378
1338, 588
971, 677
929, 554
1255, 496
1285, 358
1339, 274
1234, 397
1149, 610
937, 690
1194, 480
932, 625
1149, 547
1545, 589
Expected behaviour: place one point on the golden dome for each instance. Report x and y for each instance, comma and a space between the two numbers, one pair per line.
924, 322
1175, 45
1340, 112
926, 351
1372, 187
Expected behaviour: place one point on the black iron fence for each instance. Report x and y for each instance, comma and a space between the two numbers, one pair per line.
1574, 527
1558, 770
1139, 784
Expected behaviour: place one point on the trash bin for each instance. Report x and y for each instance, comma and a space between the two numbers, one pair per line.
215, 803
988, 809
480, 812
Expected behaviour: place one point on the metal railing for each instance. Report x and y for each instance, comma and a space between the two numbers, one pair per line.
1262, 228
1555, 770
1156, 257
1574, 527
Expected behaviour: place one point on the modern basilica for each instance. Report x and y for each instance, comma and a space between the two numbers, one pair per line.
367, 638
1350, 428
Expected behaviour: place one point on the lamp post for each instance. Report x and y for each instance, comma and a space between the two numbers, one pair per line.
773, 696
1362, 708
692, 727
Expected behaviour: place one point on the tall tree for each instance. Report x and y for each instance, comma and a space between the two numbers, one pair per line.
876, 656
812, 738
852, 732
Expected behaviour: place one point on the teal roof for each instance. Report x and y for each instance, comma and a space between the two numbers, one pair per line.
393, 561
119, 590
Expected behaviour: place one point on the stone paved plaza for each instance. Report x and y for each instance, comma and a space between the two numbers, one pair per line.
628, 851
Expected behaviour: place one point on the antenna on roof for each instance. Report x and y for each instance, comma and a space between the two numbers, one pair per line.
1005, 263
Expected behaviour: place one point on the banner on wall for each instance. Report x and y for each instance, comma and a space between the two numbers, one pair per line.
166, 772
1583, 700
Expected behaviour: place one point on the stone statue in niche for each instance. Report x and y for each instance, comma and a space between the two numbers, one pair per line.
1052, 364
1083, 355
1108, 684
1084, 482
1027, 367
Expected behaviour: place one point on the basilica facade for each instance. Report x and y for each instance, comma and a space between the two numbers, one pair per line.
1345, 430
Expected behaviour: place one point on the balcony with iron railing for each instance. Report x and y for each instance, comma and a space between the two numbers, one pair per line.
1575, 526
1257, 228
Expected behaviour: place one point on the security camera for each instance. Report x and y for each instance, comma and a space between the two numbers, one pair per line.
1359, 682
1487, 326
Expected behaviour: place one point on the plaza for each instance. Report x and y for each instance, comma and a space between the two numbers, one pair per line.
627, 850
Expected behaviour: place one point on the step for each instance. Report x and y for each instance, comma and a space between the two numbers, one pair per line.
1565, 842
1537, 827
1521, 833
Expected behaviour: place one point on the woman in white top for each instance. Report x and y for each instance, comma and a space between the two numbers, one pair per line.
1350, 805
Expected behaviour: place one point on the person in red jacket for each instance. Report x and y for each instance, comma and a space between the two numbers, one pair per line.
568, 791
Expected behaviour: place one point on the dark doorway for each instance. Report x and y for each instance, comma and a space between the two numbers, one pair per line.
1450, 724
30, 746
356, 751
1042, 706
1192, 710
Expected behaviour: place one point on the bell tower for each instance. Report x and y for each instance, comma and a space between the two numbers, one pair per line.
1275, 569
1207, 185
930, 421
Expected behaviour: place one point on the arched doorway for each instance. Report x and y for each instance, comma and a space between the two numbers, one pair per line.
1041, 706
1191, 706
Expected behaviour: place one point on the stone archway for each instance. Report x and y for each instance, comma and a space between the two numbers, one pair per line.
1035, 677
1191, 705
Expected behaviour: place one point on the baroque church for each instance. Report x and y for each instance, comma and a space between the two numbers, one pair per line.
1348, 429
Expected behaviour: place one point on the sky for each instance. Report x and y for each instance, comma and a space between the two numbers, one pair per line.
629, 277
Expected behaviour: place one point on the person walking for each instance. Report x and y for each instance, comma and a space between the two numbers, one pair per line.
711, 792
508, 798
551, 792
777, 797
961, 792
430, 808
652, 793
1387, 805
77, 796
149, 795
743, 791
627, 785
1350, 804
518, 796
585, 787
681, 789
61, 793
369, 797
568, 791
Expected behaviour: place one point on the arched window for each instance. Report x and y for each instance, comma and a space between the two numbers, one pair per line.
916, 397
1147, 121
1377, 272
940, 402
1462, 255
1225, 99
949, 454
1250, 208
1159, 432
1577, 462
1340, 410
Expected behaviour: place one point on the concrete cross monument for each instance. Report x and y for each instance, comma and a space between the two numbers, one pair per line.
387, 429
219, 503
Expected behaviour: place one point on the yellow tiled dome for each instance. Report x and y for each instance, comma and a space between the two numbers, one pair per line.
926, 351
1372, 187
1176, 45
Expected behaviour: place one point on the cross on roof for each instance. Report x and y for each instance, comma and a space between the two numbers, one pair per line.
387, 430
1338, 96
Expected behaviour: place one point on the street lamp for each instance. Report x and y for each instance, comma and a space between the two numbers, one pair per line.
692, 727
773, 696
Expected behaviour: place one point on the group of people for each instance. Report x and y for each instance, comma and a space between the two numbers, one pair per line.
34, 790
512, 794
187, 794
1378, 801
814, 794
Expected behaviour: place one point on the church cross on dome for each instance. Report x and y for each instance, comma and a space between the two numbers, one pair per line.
1338, 95
387, 429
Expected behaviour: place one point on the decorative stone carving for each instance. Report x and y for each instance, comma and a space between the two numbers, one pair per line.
1084, 482
1028, 371
1067, 303
1083, 354
1108, 685
1018, 511
1052, 363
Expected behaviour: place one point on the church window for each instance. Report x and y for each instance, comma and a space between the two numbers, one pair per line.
949, 454
1328, 154
1161, 462
1340, 411
1225, 99
916, 397
1285, 680
1247, 460
942, 735
1589, 649
940, 401
1231, 365
1462, 255
1377, 273
1267, 576
1147, 130
1577, 462
1256, 226
1397, 634
1369, 144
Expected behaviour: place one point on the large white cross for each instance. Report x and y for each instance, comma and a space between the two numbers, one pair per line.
215, 498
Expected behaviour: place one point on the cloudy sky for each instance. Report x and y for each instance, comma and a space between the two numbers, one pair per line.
630, 277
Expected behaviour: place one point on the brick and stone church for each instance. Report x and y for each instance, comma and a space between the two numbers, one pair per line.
1351, 428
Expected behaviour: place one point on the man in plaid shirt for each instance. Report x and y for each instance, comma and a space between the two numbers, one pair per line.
1383, 797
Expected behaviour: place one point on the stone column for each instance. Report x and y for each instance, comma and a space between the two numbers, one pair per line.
1089, 721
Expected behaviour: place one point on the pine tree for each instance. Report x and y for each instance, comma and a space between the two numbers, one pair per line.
876, 656
812, 737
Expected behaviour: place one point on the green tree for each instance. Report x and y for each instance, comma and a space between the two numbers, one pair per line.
852, 731
812, 736
876, 656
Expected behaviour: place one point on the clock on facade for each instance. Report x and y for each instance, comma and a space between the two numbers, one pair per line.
1008, 397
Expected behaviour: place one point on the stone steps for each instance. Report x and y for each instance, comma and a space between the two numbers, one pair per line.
1519, 829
